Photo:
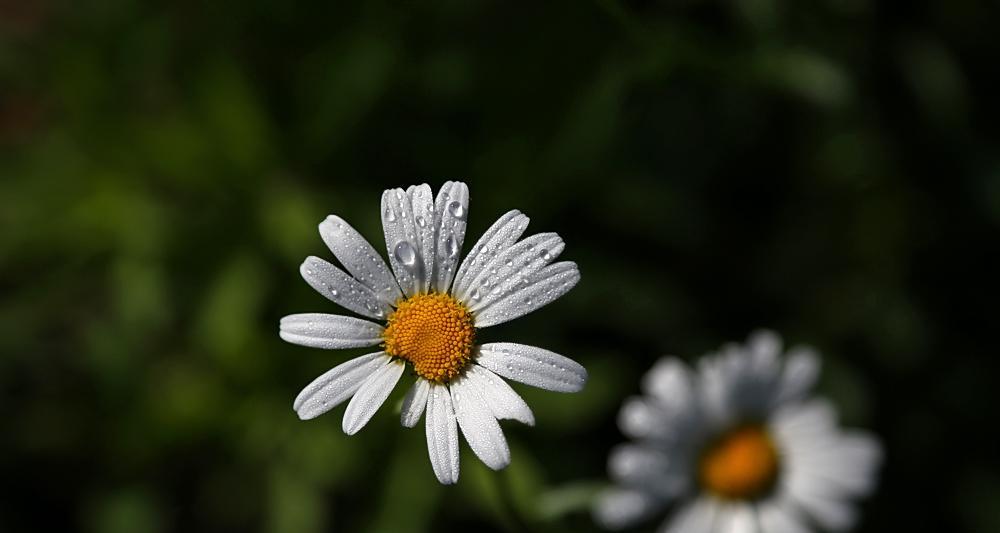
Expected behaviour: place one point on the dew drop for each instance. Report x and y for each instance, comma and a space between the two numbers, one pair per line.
457, 210
545, 255
510, 262
390, 215
451, 245
333, 292
405, 253
476, 295
420, 221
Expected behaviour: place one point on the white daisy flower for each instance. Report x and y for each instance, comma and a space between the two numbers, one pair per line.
737, 446
431, 308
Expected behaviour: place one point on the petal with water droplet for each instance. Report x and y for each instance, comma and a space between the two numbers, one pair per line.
542, 288
501, 235
331, 332
533, 366
343, 289
359, 258
450, 232
515, 266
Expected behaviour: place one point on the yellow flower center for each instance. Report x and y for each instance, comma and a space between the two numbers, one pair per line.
432, 331
740, 465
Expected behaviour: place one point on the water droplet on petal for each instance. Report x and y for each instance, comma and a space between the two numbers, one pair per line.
457, 210
421, 222
405, 253
451, 245
333, 292
545, 255
390, 215
510, 262
476, 295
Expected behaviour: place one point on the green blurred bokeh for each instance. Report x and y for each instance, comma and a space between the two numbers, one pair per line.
829, 169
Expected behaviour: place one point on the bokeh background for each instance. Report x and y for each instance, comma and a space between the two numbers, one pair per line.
829, 169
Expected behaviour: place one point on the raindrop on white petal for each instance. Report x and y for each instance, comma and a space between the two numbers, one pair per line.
420, 221
452, 246
457, 210
390, 215
476, 295
405, 253
545, 255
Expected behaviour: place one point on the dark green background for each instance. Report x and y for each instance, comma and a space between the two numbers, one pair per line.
830, 169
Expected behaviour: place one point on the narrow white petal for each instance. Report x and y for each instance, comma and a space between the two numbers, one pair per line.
513, 268
415, 402
671, 382
620, 508
342, 289
831, 513
442, 434
505, 403
451, 208
653, 469
401, 240
336, 385
359, 258
801, 371
480, 427
541, 289
502, 234
332, 332
424, 224
777, 517
695, 517
370, 396
533, 366
846, 463
737, 517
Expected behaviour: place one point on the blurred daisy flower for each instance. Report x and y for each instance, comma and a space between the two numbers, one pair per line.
427, 309
737, 446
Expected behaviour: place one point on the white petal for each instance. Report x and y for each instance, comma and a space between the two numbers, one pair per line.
844, 463
505, 403
695, 517
442, 434
502, 234
359, 258
332, 332
371, 395
479, 425
512, 268
342, 289
533, 366
670, 381
424, 224
451, 208
800, 373
652, 469
414, 403
777, 517
620, 508
402, 241
736, 517
831, 513
336, 385
541, 289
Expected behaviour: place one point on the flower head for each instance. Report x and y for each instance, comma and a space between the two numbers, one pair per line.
737, 446
431, 306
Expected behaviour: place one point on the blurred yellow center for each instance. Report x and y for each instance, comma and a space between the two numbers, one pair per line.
740, 465
432, 331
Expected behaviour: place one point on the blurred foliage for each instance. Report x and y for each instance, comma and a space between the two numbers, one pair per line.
829, 169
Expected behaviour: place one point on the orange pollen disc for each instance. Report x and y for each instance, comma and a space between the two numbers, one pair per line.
740, 465
432, 331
